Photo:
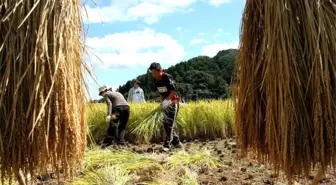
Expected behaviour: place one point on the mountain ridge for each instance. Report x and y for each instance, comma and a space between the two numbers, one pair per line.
200, 77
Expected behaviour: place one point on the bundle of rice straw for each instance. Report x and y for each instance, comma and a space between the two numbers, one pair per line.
148, 127
286, 73
42, 123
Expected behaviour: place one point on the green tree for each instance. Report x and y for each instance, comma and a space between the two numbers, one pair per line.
201, 77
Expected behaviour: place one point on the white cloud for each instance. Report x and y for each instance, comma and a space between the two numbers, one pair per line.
196, 41
114, 88
189, 10
201, 34
151, 20
218, 2
134, 48
220, 30
124, 3
149, 11
212, 50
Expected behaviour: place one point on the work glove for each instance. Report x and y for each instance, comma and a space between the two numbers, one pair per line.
108, 119
165, 103
114, 116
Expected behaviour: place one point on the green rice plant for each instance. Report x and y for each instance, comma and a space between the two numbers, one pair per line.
211, 125
189, 177
229, 118
180, 176
201, 119
95, 158
204, 119
10, 181
183, 167
148, 127
195, 161
95, 118
164, 180
125, 167
187, 128
107, 175
100, 166
140, 110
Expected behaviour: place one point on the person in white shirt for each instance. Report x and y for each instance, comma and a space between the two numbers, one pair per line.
136, 94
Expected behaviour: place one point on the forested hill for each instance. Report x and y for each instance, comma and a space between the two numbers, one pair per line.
198, 78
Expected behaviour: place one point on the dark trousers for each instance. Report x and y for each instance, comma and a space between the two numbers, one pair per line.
169, 123
123, 113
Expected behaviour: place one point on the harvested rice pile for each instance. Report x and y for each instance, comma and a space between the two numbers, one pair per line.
41, 87
286, 72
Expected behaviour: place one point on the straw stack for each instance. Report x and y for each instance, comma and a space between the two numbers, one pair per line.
42, 123
286, 72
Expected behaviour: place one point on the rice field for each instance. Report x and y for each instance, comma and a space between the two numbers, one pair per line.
285, 110
196, 120
145, 163
209, 156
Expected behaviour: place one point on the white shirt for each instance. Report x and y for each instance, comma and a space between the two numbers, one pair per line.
136, 95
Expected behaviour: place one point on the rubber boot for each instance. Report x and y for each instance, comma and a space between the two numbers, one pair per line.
121, 137
176, 142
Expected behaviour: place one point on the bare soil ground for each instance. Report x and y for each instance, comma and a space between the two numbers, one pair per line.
242, 171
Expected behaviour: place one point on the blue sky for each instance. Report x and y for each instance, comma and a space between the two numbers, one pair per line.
124, 36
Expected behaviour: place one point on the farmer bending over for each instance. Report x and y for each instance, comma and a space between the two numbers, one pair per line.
118, 110
165, 87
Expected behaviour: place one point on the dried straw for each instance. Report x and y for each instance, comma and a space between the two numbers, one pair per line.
42, 123
286, 72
